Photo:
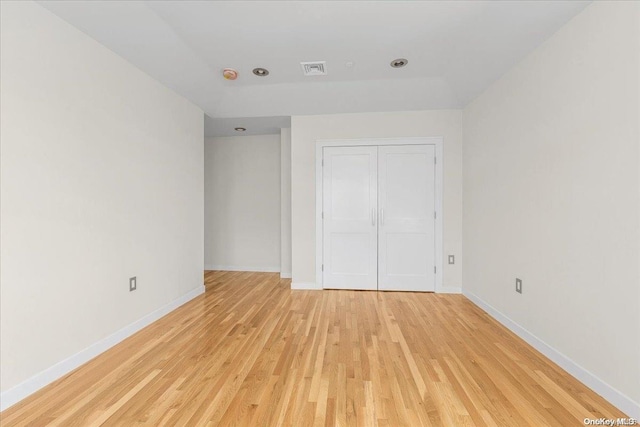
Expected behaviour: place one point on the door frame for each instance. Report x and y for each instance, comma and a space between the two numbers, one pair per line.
438, 142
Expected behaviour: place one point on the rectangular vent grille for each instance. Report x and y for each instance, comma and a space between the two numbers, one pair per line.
316, 68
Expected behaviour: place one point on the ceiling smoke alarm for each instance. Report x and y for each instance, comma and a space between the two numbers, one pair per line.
315, 68
229, 74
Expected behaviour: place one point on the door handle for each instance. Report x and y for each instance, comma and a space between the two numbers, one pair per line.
373, 216
381, 216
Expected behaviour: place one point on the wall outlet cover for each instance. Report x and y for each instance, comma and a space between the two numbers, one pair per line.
518, 285
452, 259
133, 284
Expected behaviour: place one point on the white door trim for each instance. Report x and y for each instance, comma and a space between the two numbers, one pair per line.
438, 142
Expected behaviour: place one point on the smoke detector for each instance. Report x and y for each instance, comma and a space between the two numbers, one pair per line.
315, 68
229, 74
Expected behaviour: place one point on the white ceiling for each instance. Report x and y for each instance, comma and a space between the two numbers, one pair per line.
456, 49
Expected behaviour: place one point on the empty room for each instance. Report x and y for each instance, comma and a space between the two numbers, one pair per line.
319, 213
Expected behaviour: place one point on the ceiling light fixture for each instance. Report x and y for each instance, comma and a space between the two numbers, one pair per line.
240, 129
260, 72
399, 63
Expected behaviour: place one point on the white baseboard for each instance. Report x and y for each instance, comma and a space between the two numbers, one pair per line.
49, 375
242, 268
306, 286
315, 286
449, 290
616, 398
285, 274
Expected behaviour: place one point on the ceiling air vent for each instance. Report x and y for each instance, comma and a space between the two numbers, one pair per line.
316, 68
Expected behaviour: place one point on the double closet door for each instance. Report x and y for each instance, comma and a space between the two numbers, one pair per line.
378, 213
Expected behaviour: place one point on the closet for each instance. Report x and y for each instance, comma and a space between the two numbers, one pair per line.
379, 217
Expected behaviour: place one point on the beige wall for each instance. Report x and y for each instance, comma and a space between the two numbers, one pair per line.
551, 163
101, 180
242, 203
305, 130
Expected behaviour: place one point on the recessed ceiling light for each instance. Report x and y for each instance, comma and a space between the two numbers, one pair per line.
260, 72
240, 129
399, 63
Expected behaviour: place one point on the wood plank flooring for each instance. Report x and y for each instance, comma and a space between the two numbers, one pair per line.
251, 352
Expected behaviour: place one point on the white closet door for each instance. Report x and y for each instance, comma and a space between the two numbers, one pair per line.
350, 239
407, 224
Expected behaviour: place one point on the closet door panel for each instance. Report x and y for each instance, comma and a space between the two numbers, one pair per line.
349, 218
406, 257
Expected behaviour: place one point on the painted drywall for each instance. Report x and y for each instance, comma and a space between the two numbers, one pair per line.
551, 190
285, 202
638, 188
101, 180
305, 130
242, 203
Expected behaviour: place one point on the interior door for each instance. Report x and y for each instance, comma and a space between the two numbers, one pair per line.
350, 229
406, 258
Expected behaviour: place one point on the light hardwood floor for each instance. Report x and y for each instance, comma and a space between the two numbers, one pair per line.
251, 352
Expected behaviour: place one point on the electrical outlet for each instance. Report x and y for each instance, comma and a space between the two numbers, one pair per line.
452, 259
133, 284
518, 285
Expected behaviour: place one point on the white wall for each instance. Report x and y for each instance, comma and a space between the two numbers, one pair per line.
101, 180
242, 203
285, 202
305, 130
551, 161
